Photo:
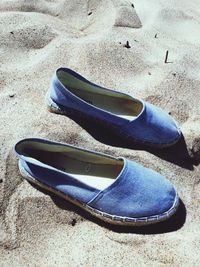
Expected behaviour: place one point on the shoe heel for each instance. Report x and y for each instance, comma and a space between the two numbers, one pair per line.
52, 106
23, 172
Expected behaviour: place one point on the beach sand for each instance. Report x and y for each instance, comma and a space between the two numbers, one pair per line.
37, 37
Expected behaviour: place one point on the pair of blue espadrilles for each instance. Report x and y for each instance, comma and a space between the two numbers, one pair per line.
115, 190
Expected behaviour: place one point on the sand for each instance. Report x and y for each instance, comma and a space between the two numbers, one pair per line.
38, 36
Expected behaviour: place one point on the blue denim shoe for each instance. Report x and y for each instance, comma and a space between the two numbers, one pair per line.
115, 190
128, 118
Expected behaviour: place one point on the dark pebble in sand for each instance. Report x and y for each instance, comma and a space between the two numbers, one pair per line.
73, 222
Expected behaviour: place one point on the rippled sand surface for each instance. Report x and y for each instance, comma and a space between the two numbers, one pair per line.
38, 36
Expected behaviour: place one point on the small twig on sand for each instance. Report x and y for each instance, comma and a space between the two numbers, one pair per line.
156, 35
166, 56
11, 95
127, 45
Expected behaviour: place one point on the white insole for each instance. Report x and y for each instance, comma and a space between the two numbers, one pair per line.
98, 182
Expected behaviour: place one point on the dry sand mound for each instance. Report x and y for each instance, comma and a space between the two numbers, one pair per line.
38, 36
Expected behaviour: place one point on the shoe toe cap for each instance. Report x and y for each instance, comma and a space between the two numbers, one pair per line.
154, 126
154, 196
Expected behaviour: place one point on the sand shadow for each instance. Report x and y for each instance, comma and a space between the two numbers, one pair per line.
176, 154
174, 223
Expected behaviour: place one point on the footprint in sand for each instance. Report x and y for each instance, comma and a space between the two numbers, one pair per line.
34, 25
11, 179
51, 7
23, 37
89, 15
126, 15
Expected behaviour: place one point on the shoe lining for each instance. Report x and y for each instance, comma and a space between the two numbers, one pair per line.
115, 102
96, 171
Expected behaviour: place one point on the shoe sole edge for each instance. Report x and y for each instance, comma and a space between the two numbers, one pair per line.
108, 218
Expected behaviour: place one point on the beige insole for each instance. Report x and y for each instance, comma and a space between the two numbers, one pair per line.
119, 106
115, 102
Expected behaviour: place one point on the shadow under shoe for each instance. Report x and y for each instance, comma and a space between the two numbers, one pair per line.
176, 154
172, 224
